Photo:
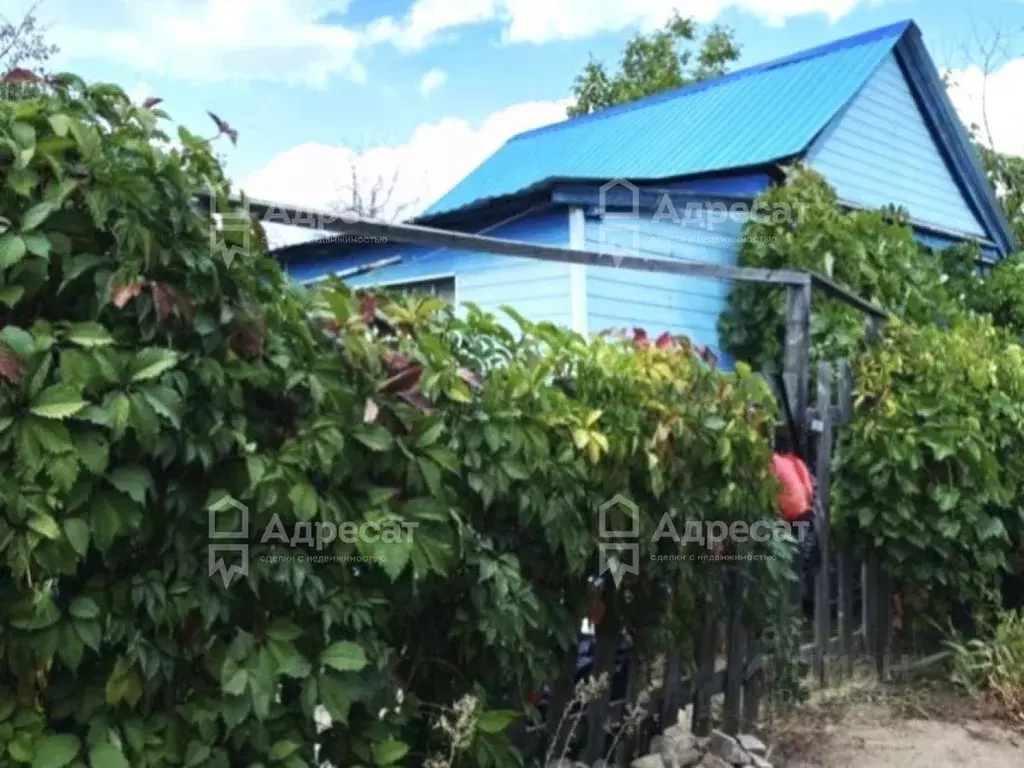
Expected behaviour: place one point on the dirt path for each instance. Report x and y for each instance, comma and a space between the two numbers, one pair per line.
871, 736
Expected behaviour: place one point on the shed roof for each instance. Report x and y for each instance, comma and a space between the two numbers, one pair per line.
748, 118
752, 118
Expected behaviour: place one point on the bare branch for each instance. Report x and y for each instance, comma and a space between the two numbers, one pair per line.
23, 44
372, 197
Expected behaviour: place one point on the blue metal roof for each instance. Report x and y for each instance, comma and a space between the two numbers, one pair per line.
749, 118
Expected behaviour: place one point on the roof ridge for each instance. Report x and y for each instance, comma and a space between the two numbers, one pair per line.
851, 41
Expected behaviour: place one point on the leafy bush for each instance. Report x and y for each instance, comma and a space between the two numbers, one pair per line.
993, 667
145, 380
873, 253
930, 472
927, 476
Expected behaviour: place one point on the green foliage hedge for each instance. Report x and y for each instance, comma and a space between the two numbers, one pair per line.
928, 476
145, 379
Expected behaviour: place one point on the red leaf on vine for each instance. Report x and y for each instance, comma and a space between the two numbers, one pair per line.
665, 341
163, 301
247, 338
470, 378
405, 381
417, 400
640, 338
19, 76
704, 352
395, 362
10, 367
368, 307
120, 295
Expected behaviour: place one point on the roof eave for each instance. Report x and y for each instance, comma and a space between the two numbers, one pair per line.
953, 138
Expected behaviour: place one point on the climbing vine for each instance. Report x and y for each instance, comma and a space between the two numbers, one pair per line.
160, 377
928, 475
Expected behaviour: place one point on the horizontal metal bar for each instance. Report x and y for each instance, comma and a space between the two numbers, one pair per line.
837, 291
363, 269
275, 213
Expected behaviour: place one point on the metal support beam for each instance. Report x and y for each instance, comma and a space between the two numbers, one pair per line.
796, 359
270, 212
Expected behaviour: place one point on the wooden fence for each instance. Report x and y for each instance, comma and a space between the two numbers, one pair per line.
850, 622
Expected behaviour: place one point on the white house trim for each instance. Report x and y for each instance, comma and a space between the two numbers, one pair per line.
578, 272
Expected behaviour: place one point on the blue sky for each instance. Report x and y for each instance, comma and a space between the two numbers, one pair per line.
417, 92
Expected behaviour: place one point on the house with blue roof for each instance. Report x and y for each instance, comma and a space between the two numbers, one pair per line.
672, 177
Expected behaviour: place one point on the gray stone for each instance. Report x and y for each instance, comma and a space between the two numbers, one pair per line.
725, 747
677, 746
712, 761
648, 761
688, 758
680, 735
759, 762
752, 744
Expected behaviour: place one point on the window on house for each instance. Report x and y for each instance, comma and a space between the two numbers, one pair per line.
442, 287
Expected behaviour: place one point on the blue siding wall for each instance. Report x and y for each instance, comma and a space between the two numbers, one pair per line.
879, 151
538, 290
656, 302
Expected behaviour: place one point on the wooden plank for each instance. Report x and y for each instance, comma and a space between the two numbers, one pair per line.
670, 690
796, 359
638, 671
846, 617
561, 695
736, 652
884, 623
597, 710
869, 610
823, 581
753, 690
844, 391
706, 648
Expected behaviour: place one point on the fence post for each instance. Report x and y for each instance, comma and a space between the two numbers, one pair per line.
822, 469
846, 645
670, 690
737, 651
561, 696
796, 358
707, 646
597, 711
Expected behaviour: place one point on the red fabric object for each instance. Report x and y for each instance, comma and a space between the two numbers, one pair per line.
796, 496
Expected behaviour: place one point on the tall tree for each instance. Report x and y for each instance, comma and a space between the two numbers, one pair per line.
23, 43
655, 62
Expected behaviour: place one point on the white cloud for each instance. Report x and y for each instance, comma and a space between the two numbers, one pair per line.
999, 97
542, 21
432, 80
427, 19
434, 159
209, 40
287, 40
